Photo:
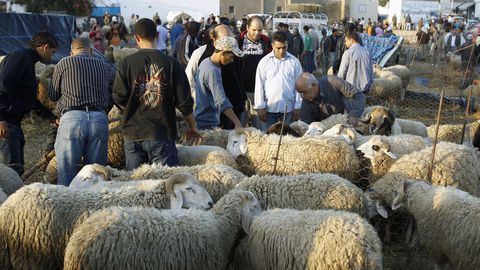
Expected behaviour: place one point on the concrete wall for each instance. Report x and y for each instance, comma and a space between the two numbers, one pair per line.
364, 8
241, 7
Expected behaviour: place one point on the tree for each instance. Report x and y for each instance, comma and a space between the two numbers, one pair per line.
383, 2
72, 7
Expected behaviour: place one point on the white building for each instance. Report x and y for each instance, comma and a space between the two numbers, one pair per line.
364, 8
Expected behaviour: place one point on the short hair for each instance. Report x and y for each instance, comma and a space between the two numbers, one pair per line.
158, 21
286, 25
306, 28
353, 36
145, 29
80, 43
279, 36
192, 28
255, 17
42, 38
280, 24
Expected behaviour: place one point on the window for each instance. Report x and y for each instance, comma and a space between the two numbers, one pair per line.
231, 9
279, 8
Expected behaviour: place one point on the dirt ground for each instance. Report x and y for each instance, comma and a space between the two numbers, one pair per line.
397, 255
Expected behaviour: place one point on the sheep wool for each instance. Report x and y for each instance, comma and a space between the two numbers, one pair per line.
216, 137
116, 152
309, 239
453, 133
182, 239
446, 221
306, 191
204, 154
296, 155
387, 88
401, 71
412, 127
10, 181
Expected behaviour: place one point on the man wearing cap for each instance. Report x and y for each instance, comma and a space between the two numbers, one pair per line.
275, 84
210, 95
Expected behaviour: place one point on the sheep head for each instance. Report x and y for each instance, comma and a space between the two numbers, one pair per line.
90, 175
237, 141
277, 129
315, 129
380, 121
399, 200
376, 146
186, 192
300, 127
239, 204
343, 131
375, 204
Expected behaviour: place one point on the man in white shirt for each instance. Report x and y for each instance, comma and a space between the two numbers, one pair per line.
275, 84
162, 38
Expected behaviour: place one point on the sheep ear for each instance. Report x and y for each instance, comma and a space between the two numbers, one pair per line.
367, 119
375, 148
398, 201
381, 210
176, 198
246, 219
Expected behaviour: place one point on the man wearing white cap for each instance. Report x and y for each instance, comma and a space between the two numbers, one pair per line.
210, 95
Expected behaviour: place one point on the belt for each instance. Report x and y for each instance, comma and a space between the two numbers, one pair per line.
83, 108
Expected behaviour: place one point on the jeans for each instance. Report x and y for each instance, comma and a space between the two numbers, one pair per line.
140, 152
11, 149
80, 134
273, 118
251, 111
308, 61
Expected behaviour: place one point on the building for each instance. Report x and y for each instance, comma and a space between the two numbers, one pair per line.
335, 9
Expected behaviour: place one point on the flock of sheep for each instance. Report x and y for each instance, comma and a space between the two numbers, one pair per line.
245, 199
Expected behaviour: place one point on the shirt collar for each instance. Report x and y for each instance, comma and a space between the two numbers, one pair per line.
272, 55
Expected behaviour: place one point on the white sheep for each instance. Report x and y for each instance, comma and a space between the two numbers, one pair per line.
453, 133
186, 239
299, 126
10, 181
306, 191
455, 165
204, 154
296, 155
446, 222
309, 239
387, 87
217, 179
380, 121
37, 220
401, 71
216, 137
412, 127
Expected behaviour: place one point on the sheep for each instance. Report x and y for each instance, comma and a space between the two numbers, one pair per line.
412, 127
295, 155
306, 191
399, 70
3, 196
380, 121
217, 179
215, 137
455, 165
331, 121
316, 129
387, 87
446, 222
204, 154
37, 220
309, 239
120, 54
181, 239
299, 126
453, 133
277, 129
10, 181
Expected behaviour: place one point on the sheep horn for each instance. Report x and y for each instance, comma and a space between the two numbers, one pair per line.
102, 170
178, 178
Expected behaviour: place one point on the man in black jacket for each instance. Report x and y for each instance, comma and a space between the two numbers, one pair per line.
18, 96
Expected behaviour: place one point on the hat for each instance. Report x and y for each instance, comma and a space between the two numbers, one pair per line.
228, 44
114, 19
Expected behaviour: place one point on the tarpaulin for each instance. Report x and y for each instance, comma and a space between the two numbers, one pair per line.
378, 46
17, 29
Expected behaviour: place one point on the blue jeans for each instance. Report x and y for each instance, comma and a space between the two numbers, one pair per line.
80, 134
11, 149
273, 118
140, 152
308, 61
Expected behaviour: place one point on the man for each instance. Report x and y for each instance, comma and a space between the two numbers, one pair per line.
408, 22
210, 95
148, 86
307, 55
394, 21
232, 84
285, 28
82, 85
330, 47
275, 84
255, 46
187, 43
423, 38
356, 66
326, 96
297, 45
18, 96
175, 32
162, 39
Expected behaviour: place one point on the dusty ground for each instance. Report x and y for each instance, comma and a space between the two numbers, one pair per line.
397, 255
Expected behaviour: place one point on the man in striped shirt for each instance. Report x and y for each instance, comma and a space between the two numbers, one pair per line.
82, 86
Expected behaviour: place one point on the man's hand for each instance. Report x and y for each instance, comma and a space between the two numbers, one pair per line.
296, 115
3, 130
353, 121
262, 115
193, 136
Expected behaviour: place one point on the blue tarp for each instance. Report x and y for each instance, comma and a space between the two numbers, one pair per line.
17, 29
100, 11
378, 46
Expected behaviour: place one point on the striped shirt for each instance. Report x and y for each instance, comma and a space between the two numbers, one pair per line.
81, 80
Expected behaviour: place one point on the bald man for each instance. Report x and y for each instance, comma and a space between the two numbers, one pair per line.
326, 96
255, 46
82, 86
231, 78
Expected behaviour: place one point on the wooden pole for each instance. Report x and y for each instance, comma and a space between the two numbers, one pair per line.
437, 126
279, 143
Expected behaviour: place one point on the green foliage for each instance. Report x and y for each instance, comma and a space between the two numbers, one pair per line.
383, 2
72, 7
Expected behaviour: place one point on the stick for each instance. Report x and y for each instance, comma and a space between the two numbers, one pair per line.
44, 161
437, 126
279, 143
